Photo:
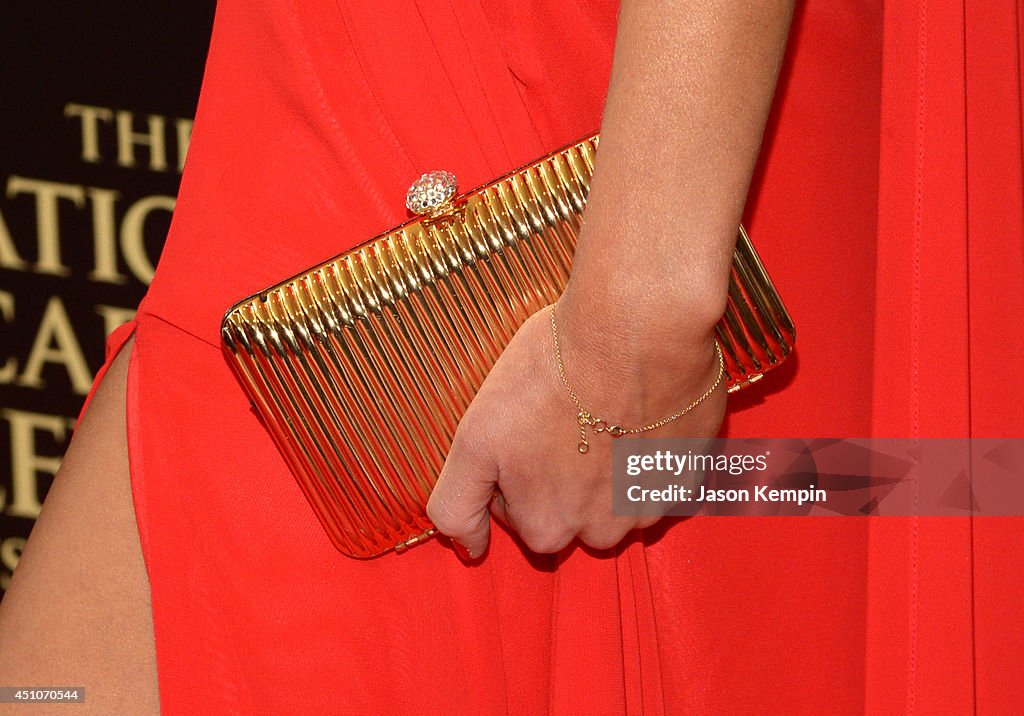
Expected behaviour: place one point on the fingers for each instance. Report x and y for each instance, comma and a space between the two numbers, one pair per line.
500, 508
549, 531
467, 493
458, 506
543, 535
608, 532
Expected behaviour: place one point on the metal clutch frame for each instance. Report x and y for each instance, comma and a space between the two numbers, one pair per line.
361, 367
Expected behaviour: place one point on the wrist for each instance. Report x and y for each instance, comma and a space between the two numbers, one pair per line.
631, 363
658, 278
623, 313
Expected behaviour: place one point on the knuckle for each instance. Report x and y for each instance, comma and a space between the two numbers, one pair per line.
601, 542
468, 450
648, 521
548, 541
472, 431
604, 536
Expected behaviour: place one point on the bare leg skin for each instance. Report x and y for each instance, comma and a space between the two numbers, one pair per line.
78, 612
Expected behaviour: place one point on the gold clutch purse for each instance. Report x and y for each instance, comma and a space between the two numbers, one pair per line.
362, 366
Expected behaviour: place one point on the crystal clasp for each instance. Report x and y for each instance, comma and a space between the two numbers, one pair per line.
432, 193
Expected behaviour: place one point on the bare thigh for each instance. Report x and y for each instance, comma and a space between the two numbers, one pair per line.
77, 612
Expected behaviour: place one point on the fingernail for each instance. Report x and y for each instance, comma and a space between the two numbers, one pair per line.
462, 551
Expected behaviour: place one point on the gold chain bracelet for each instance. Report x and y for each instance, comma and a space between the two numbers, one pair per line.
586, 419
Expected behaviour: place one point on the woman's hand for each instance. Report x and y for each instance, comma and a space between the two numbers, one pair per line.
515, 452
689, 94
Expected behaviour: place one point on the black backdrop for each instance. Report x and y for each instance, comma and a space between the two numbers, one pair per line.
96, 106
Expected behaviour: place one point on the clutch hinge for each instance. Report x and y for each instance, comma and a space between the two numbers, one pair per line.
414, 540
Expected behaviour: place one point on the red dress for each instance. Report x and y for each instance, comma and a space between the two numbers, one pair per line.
887, 207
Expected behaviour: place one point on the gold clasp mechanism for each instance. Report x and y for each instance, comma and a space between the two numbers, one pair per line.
585, 420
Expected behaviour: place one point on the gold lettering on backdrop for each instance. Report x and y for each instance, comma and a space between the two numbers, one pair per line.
10, 551
184, 129
10, 366
90, 130
54, 328
55, 342
47, 195
133, 244
114, 316
26, 462
102, 203
9, 258
155, 137
127, 138
142, 141
104, 236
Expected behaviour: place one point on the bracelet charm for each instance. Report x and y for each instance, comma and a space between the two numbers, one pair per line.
585, 419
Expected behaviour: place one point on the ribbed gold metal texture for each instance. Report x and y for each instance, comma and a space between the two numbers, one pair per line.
362, 366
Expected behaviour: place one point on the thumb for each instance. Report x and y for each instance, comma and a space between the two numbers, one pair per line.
459, 503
